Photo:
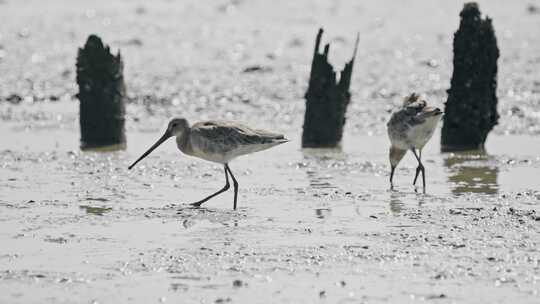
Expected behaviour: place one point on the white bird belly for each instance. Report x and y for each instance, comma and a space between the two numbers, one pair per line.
225, 157
213, 157
420, 134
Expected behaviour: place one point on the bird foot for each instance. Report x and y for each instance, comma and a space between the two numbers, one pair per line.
423, 190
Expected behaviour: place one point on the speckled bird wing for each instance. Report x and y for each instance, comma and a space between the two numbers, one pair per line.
414, 112
405, 118
223, 136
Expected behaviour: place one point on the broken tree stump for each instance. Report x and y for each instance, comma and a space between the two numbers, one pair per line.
102, 95
326, 100
471, 107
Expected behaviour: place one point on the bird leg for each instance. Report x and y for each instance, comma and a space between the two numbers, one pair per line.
420, 168
227, 186
392, 169
235, 184
423, 171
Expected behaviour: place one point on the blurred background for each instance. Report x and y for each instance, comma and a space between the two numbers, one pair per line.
188, 58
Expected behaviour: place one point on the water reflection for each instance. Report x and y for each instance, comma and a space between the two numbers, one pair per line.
470, 172
396, 205
399, 199
322, 213
319, 181
190, 216
95, 210
317, 161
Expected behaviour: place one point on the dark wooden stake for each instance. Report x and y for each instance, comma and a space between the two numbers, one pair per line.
102, 96
471, 107
326, 100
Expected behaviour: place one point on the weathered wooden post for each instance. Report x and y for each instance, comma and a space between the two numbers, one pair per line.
326, 100
471, 107
102, 96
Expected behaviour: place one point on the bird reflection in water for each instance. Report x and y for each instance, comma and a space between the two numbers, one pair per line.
397, 200
396, 203
319, 168
322, 213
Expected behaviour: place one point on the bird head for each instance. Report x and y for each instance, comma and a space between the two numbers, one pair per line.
177, 127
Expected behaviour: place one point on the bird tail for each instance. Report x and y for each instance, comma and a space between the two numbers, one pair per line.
281, 140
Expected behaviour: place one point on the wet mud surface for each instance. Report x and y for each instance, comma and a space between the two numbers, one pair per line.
312, 225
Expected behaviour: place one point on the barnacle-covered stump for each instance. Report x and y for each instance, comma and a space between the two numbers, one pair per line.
326, 100
471, 107
102, 96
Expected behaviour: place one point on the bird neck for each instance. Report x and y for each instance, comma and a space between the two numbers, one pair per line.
183, 142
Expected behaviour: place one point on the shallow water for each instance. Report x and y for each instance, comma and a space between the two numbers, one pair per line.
312, 225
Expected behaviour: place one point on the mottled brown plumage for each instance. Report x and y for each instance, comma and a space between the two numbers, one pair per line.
410, 128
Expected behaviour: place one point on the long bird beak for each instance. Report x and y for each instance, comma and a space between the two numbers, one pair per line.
152, 148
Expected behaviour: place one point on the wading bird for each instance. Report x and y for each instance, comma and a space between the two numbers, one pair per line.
219, 142
410, 128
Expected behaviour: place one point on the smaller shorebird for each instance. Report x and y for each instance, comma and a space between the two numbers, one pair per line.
410, 128
219, 142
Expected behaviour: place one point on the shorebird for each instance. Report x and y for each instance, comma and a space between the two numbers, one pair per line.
410, 128
219, 142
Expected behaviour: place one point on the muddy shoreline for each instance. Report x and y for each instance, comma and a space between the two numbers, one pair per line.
312, 225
